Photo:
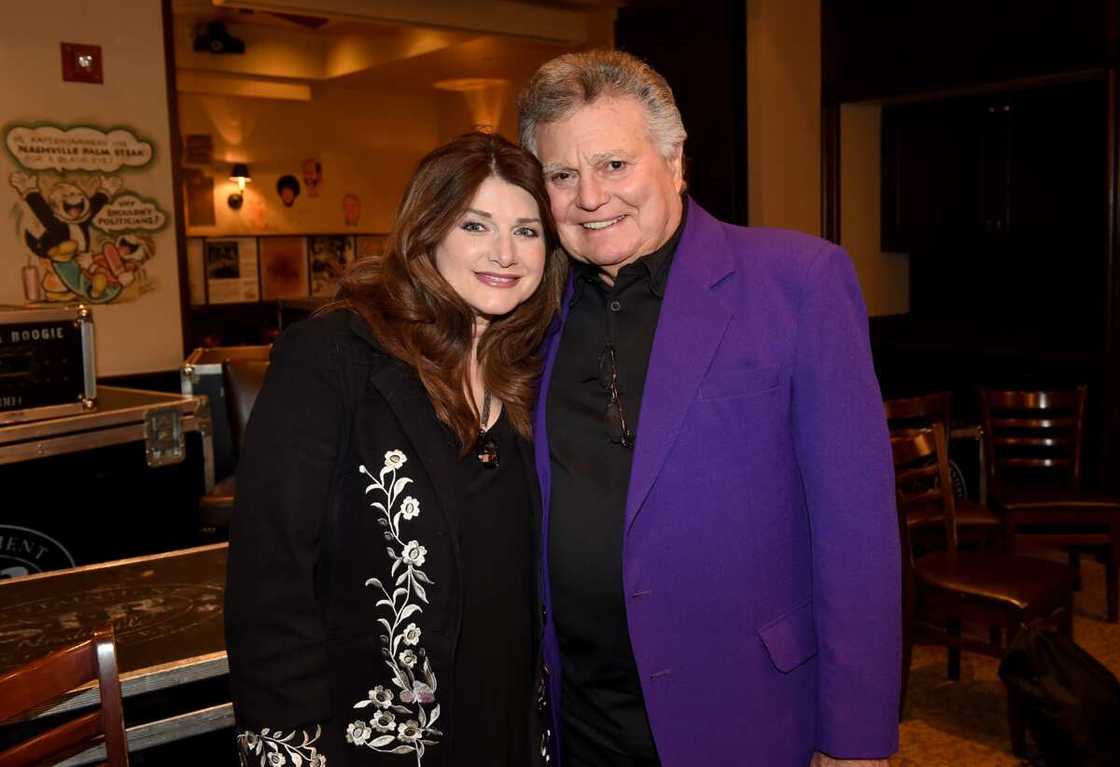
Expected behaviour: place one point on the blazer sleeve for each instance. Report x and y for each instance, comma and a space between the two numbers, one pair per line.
843, 452
274, 630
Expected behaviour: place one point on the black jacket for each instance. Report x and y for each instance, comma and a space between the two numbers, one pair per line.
343, 553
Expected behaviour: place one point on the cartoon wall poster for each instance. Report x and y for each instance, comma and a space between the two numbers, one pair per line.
83, 235
287, 187
283, 267
196, 270
351, 209
329, 256
371, 245
231, 270
312, 176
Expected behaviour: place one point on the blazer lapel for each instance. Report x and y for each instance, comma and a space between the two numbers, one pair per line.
691, 324
433, 443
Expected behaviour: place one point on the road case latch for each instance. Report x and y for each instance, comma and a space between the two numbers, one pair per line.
163, 436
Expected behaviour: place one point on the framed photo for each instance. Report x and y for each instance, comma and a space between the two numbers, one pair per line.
283, 267
231, 270
329, 255
371, 245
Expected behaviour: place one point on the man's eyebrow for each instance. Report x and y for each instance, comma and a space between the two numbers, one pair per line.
611, 155
528, 220
552, 167
478, 212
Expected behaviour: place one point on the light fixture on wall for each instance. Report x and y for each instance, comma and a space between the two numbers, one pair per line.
240, 174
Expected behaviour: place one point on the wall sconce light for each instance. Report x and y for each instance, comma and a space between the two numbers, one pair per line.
240, 174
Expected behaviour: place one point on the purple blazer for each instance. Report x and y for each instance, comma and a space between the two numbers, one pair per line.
761, 553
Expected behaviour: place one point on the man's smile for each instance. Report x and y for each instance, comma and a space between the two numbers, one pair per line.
597, 225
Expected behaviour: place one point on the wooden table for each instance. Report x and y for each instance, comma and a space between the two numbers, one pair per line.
167, 612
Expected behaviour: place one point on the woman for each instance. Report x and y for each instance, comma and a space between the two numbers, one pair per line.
381, 598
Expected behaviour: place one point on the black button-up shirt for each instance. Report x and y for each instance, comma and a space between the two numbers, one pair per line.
602, 706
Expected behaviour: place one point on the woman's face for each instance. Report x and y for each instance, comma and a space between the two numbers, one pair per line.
494, 255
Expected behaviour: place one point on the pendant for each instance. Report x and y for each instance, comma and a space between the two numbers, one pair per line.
487, 451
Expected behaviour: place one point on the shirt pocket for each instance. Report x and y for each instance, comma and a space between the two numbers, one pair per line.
740, 382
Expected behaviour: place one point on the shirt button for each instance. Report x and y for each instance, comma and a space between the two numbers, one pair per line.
615, 305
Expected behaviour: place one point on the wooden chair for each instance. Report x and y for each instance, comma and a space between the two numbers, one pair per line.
242, 380
1034, 448
946, 590
33, 687
976, 522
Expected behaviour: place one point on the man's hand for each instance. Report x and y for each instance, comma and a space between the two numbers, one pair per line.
824, 760
110, 185
23, 183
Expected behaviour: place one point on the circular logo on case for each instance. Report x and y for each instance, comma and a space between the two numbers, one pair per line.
24, 551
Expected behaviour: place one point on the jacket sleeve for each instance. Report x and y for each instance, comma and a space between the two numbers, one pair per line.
843, 453
274, 630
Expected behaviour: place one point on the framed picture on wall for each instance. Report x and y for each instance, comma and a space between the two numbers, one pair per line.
283, 267
370, 245
231, 270
329, 255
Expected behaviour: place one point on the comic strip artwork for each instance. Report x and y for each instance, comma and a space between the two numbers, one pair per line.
83, 234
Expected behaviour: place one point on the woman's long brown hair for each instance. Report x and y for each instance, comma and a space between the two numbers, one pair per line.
419, 318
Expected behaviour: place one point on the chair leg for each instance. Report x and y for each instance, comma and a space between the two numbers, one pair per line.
1016, 724
1075, 567
954, 670
1065, 623
1111, 573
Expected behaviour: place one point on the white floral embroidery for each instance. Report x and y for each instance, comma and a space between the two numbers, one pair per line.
394, 459
414, 554
275, 749
384, 721
358, 733
382, 697
412, 672
411, 634
410, 508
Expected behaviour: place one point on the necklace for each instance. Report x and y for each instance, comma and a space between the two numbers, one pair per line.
487, 448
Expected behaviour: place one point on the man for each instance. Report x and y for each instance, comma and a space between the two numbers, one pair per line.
721, 561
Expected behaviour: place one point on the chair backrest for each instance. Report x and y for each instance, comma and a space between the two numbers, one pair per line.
31, 688
921, 469
919, 412
1033, 436
242, 381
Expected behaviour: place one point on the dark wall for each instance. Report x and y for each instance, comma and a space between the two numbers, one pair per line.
701, 49
886, 48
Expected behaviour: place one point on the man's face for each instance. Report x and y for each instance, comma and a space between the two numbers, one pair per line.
615, 197
70, 203
312, 175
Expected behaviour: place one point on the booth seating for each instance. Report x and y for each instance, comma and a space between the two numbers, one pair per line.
241, 382
29, 689
976, 521
946, 590
1035, 439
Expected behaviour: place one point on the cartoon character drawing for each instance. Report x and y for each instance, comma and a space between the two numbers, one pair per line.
120, 264
60, 235
288, 189
312, 176
351, 208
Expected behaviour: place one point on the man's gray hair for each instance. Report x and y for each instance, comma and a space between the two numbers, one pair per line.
568, 82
